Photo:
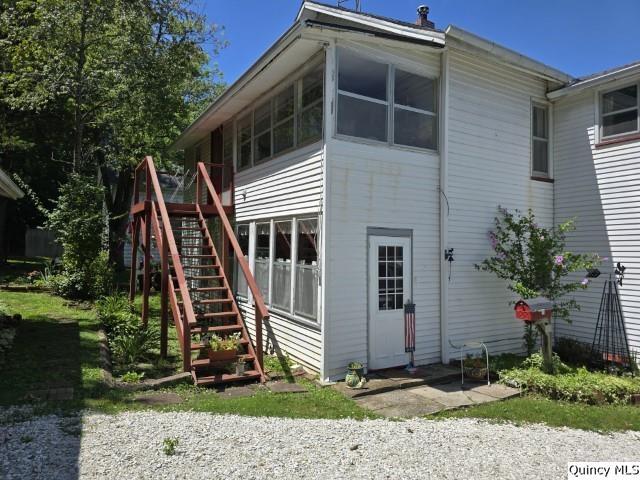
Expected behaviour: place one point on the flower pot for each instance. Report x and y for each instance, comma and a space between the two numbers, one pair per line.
476, 373
355, 374
222, 355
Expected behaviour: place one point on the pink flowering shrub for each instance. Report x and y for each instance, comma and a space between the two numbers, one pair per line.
534, 260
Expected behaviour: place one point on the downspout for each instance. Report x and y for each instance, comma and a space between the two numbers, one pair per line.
444, 204
325, 310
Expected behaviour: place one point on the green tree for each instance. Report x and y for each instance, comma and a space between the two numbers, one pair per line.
129, 75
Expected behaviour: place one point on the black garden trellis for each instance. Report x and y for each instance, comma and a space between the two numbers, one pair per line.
610, 347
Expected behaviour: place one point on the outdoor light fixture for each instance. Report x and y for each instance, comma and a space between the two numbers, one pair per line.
448, 255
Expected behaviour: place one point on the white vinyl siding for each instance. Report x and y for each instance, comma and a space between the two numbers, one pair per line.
598, 187
489, 157
285, 187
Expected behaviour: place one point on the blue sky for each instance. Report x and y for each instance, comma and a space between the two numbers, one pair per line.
579, 37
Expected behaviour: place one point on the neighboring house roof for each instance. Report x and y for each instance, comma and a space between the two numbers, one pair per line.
596, 79
8, 188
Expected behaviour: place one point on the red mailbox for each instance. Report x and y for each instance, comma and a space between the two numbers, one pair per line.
534, 309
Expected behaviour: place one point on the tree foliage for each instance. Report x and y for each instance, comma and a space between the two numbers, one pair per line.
534, 260
118, 79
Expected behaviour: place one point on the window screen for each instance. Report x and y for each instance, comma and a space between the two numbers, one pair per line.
620, 111
540, 140
307, 273
243, 241
263, 243
281, 294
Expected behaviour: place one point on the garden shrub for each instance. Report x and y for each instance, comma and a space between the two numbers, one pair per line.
571, 384
131, 344
79, 224
115, 310
573, 351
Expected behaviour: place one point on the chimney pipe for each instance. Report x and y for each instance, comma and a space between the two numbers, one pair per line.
422, 20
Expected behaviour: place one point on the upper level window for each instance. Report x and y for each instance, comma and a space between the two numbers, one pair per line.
367, 109
619, 112
540, 140
292, 117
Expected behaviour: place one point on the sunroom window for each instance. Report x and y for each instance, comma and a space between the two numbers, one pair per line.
263, 248
620, 112
414, 117
283, 118
262, 132
367, 109
244, 142
362, 97
243, 240
310, 117
540, 140
281, 295
307, 273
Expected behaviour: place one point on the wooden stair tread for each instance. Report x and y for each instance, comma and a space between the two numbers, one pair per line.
225, 377
186, 255
199, 277
218, 328
206, 362
243, 341
213, 265
205, 289
216, 315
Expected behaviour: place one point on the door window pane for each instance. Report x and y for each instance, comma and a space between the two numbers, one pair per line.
307, 273
414, 129
281, 295
414, 91
361, 76
263, 242
390, 277
362, 118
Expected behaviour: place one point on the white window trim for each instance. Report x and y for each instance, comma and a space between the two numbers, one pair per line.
600, 115
535, 102
390, 102
289, 314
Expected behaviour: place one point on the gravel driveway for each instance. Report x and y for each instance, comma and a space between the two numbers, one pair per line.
129, 446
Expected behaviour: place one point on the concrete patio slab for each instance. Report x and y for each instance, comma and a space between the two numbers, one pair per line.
397, 393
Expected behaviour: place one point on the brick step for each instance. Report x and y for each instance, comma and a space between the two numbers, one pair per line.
225, 378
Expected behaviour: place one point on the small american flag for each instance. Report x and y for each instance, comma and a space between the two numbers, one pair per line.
409, 326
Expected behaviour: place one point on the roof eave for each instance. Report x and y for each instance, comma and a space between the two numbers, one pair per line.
508, 56
9, 187
580, 86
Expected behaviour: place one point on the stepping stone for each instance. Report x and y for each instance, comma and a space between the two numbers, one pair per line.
236, 392
282, 387
165, 381
497, 390
477, 397
405, 411
159, 399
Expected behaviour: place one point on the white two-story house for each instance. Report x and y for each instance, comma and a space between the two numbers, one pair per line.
361, 148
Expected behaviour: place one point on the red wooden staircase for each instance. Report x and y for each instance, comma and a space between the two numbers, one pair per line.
195, 289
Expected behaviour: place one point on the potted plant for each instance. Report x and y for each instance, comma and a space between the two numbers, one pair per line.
223, 349
355, 375
475, 367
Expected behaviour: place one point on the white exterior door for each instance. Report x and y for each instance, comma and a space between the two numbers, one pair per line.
389, 288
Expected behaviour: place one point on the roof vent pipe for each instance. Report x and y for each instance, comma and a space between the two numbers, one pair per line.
422, 20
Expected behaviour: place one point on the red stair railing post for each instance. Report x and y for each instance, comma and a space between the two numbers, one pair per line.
164, 299
133, 277
146, 287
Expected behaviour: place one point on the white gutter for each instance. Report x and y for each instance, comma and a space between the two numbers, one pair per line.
579, 86
388, 26
8, 188
281, 45
444, 204
507, 55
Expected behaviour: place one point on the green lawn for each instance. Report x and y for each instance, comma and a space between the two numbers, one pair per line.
532, 409
17, 268
50, 352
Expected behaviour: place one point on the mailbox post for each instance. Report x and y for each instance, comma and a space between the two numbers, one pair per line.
539, 311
